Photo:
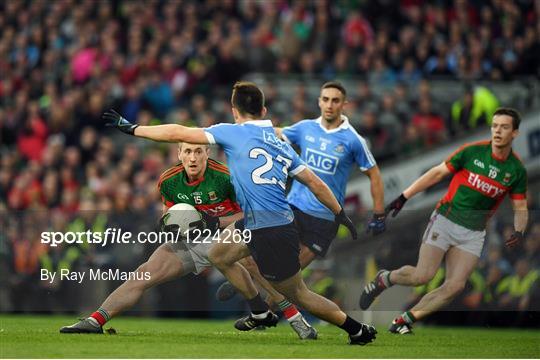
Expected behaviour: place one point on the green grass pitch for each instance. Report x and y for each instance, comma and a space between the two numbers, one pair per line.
37, 336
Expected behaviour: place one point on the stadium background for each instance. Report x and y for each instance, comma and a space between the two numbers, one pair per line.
420, 76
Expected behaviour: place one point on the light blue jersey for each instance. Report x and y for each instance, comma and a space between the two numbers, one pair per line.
259, 163
331, 154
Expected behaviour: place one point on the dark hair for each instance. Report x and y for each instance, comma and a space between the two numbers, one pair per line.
335, 85
513, 113
247, 98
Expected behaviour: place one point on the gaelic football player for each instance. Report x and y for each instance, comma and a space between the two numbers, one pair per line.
259, 164
205, 184
483, 173
330, 146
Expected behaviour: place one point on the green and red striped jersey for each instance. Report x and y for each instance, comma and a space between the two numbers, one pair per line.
213, 193
480, 182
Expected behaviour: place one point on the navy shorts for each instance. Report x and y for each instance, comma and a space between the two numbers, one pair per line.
276, 250
315, 233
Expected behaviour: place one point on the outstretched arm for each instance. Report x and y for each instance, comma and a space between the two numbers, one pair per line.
165, 133
430, 178
172, 133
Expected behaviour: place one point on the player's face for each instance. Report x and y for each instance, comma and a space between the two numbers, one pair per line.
502, 131
331, 103
194, 158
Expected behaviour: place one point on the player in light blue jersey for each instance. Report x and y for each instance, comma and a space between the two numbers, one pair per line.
331, 147
260, 163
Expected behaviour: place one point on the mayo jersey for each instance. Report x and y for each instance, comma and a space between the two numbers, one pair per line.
331, 154
479, 184
259, 164
213, 193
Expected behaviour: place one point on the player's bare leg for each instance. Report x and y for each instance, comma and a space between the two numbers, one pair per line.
296, 290
226, 291
306, 256
163, 265
429, 260
291, 313
289, 310
459, 266
224, 256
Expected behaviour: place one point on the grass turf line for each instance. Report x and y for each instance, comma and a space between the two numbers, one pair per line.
37, 336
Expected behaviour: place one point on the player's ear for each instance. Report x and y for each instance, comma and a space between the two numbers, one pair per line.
263, 112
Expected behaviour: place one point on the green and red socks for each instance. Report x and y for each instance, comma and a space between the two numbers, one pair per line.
99, 317
406, 318
289, 310
384, 279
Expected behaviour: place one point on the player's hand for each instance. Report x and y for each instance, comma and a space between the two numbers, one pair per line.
342, 218
210, 222
396, 205
172, 228
116, 120
513, 240
377, 224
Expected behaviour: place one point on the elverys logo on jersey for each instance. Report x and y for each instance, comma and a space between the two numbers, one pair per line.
321, 162
485, 187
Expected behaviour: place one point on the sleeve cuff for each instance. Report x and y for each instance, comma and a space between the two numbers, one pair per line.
297, 170
450, 167
518, 196
210, 138
363, 168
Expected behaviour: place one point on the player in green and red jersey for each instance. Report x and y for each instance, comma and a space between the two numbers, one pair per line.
205, 184
483, 173
211, 193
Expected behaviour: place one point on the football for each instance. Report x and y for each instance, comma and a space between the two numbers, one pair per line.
183, 215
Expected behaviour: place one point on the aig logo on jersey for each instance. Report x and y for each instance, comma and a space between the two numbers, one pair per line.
322, 162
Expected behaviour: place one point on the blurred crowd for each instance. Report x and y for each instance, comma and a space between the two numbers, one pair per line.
62, 63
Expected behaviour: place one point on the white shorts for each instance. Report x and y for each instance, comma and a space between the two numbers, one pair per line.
444, 233
194, 257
